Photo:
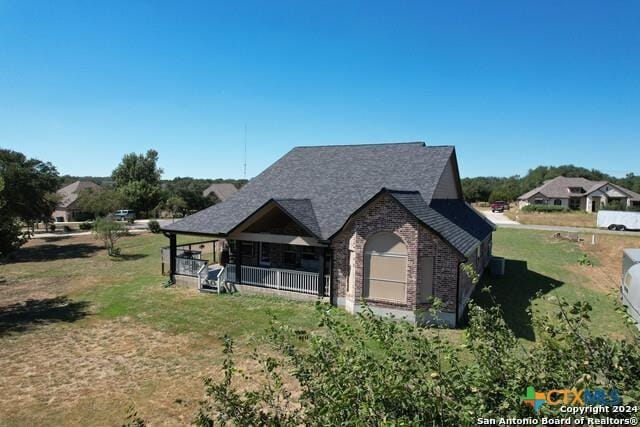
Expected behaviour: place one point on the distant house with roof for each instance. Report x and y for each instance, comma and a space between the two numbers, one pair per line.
67, 209
222, 190
579, 194
384, 224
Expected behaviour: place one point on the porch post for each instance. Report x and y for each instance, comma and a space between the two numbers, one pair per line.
321, 272
172, 256
238, 261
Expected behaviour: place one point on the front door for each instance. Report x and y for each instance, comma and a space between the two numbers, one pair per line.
595, 204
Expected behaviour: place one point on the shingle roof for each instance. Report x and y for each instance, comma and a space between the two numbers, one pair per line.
454, 220
336, 180
69, 194
302, 211
559, 188
222, 190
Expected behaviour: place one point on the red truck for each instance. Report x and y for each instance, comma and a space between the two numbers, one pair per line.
499, 206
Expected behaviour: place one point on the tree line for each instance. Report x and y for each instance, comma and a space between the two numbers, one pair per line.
491, 188
28, 193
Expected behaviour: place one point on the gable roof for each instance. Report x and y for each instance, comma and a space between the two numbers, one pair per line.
336, 181
559, 188
222, 190
454, 220
69, 194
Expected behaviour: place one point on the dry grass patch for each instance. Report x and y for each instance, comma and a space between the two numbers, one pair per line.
51, 376
563, 219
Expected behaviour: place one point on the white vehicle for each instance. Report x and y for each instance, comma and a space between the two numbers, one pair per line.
619, 220
630, 287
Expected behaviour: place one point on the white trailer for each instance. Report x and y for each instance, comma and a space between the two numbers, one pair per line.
630, 287
619, 220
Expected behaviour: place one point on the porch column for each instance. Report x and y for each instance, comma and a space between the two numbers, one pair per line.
321, 272
238, 261
172, 255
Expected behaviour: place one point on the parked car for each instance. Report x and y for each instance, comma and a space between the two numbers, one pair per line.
124, 215
499, 206
619, 220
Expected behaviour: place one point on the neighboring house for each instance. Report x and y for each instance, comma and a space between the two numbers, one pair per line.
67, 209
384, 224
222, 190
579, 194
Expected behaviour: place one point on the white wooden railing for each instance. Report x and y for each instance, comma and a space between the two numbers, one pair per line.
280, 279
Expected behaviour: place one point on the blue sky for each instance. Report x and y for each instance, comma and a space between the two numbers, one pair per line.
512, 84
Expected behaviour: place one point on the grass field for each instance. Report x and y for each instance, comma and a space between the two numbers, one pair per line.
83, 337
569, 219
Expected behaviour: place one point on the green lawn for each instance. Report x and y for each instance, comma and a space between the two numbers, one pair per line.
535, 262
83, 336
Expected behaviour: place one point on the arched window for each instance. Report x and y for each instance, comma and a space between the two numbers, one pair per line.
385, 268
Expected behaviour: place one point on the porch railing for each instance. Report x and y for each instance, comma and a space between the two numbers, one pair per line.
280, 279
189, 266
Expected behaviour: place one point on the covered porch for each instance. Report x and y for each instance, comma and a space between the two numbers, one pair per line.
269, 251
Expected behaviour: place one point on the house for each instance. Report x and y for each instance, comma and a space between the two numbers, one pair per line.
67, 208
221, 190
384, 224
579, 194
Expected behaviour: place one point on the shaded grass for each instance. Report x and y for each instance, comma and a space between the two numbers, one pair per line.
537, 263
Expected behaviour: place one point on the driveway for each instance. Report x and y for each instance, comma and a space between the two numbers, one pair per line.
501, 220
497, 218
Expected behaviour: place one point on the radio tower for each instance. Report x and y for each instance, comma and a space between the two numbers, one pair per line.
245, 151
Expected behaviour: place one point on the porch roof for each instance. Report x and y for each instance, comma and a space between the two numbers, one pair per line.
322, 186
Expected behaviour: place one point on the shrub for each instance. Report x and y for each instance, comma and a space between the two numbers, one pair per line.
545, 208
109, 232
393, 373
87, 225
154, 226
52, 227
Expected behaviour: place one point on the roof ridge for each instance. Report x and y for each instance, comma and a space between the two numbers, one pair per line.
422, 143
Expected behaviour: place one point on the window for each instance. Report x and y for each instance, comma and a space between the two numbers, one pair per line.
385, 268
574, 203
290, 258
539, 202
247, 249
578, 190
426, 279
557, 202
265, 254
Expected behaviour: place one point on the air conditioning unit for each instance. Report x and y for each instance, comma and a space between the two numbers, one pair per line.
630, 286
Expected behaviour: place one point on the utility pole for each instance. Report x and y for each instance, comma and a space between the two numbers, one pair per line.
245, 151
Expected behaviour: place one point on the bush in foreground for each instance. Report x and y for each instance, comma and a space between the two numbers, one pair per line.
384, 372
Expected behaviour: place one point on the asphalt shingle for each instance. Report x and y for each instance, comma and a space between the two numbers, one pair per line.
336, 181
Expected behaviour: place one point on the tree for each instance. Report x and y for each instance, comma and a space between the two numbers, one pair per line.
141, 196
100, 202
11, 236
109, 232
176, 204
138, 167
29, 187
137, 177
27, 195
